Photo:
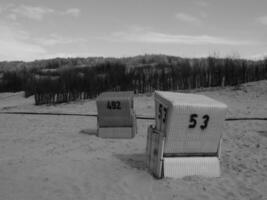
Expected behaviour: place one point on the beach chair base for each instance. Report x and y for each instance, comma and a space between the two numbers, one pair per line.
179, 167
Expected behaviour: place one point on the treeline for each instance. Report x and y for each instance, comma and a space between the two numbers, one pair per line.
63, 80
80, 83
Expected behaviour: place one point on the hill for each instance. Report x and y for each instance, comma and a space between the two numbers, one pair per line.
62, 80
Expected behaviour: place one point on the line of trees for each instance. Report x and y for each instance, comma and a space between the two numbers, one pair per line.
57, 84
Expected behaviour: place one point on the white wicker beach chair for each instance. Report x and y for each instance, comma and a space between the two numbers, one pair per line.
187, 135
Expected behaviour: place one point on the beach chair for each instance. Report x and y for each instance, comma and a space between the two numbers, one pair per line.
186, 138
116, 116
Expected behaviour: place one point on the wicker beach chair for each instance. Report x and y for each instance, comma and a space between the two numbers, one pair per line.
116, 117
187, 135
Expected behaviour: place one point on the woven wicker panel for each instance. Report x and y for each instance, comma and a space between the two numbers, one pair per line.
119, 132
155, 146
114, 109
180, 167
194, 123
181, 138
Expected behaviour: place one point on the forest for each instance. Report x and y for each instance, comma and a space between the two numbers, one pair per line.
67, 79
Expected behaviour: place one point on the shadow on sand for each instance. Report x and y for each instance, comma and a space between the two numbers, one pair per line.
263, 133
89, 132
137, 161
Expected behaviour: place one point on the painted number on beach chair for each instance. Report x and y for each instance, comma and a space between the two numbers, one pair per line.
163, 113
206, 119
193, 121
114, 105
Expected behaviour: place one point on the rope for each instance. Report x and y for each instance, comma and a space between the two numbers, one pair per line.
49, 113
141, 117
245, 118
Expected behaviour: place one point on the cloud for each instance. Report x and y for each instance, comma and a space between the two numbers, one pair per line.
18, 44
258, 56
202, 3
75, 12
263, 20
14, 12
69, 55
186, 18
12, 16
31, 12
147, 36
15, 45
55, 39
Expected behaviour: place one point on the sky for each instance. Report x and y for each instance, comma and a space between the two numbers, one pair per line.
38, 29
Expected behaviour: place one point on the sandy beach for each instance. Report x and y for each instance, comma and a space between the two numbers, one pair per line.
59, 157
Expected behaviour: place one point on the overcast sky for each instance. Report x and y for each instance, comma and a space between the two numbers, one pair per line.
37, 29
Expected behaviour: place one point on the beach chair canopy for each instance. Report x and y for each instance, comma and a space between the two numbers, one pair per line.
115, 109
192, 124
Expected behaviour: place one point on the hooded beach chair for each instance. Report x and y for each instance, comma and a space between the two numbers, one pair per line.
187, 135
116, 117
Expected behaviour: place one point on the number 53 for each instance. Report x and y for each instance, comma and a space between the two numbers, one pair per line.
161, 115
193, 121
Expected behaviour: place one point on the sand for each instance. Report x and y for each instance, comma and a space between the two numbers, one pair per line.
59, 157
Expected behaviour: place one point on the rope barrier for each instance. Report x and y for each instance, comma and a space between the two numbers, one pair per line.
141, 117
245, 118
49, 113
